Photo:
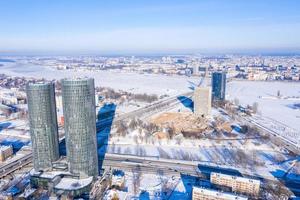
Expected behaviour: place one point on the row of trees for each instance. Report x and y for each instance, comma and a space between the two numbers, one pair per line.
110, 93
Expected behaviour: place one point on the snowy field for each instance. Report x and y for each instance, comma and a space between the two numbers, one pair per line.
133, 82
280, 109
264, 93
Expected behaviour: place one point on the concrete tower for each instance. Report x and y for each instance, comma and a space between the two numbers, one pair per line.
43, 124
78, 97
202, 101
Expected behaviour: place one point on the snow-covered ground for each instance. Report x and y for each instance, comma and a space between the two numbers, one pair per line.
264, 93
248, 92
132, 82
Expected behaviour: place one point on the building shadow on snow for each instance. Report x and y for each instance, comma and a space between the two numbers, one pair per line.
189, 182
144, 196
290, 180
15, 143
207, 170
187, 102
105, 117
4, 125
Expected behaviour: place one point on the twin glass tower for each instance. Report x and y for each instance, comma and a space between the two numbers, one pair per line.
80, 125
43, 124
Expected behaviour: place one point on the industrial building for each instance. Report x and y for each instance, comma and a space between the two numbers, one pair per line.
209, 194
202, 101
5, 152
43, 124
78, 97
218, 86
236, 183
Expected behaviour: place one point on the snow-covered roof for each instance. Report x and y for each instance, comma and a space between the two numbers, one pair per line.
215, 193
236, 178
73, 184
48, 174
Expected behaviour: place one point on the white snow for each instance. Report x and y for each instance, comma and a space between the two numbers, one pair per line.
132, 82
278, 109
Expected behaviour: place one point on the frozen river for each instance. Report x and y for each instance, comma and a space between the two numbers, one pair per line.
247, 92
133, 82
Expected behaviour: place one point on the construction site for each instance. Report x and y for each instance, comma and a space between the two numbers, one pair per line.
185, 123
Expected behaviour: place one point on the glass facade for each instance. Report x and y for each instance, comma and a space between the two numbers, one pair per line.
43, 124
80, 126
218, 85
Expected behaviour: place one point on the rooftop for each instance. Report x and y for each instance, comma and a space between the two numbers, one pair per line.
73, 184
237, 178
215, 193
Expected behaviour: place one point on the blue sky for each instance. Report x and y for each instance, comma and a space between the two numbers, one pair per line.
140, 26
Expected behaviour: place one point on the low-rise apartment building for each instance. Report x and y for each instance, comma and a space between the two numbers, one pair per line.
209, 194
237, 184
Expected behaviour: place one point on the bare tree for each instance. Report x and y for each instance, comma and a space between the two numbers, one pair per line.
163, 153
178, 140
127, 150
133, 124
122, 128
136, 175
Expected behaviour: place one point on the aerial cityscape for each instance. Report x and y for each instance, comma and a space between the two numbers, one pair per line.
160, 100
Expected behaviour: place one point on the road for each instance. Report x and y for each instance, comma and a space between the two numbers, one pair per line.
151, 109
278, 132
150, 165
15, 165
289, 139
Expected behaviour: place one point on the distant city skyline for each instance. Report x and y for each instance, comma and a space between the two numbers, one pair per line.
149, 27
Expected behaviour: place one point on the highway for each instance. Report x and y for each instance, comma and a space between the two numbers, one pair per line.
148, 110
292, 143
156, 107
150, 165
131, 163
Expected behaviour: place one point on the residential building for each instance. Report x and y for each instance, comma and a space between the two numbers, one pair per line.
209, 194
237, 184
43, 124
79, 112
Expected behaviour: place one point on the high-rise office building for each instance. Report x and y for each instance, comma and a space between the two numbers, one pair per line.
202, 101
43, 124
218, 85
79, 112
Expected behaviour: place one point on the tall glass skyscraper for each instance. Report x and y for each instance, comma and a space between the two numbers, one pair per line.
218, 85
43, 124
80, 126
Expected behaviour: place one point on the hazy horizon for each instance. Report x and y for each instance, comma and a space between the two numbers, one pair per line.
143, 27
